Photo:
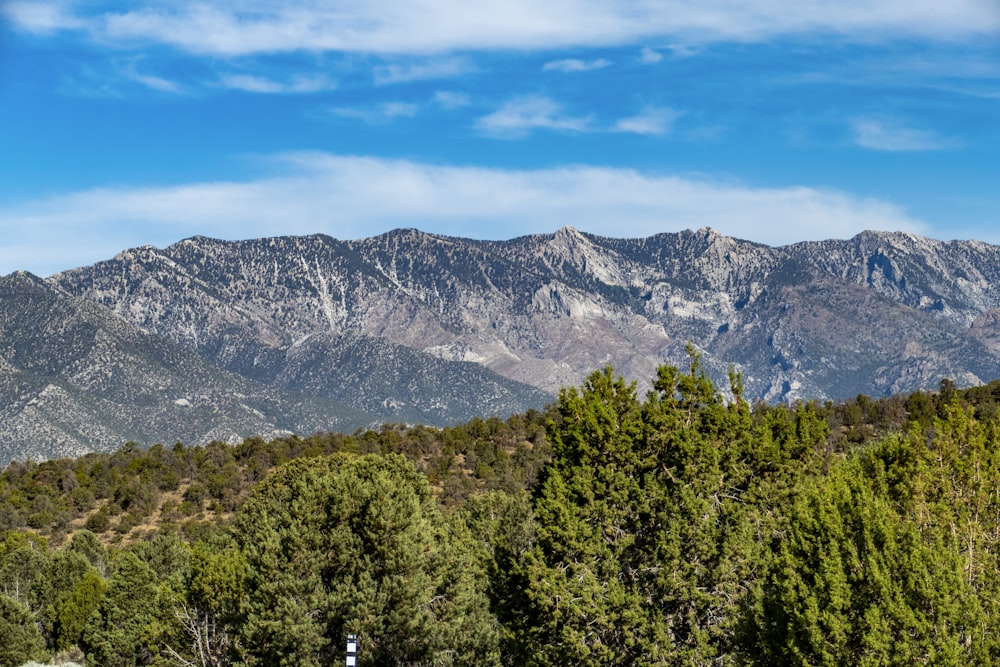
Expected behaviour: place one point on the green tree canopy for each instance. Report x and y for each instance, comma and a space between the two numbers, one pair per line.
887, 559
20, 637
647, 531
122, 632
349, 544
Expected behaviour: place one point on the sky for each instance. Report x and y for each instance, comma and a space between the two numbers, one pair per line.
777, 121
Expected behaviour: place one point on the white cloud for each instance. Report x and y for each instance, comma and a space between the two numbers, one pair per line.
114, 79
574, 65
397, 109
452, 100
380, 113
156, 83
517, 117
655, 121
256, 84
440, 26
352, 197
889, 135
649, 56
40, 17
432, 69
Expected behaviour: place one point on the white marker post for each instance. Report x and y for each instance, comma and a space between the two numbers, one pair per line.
352, 650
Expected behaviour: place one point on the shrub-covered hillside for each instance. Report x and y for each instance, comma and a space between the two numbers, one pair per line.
674, 529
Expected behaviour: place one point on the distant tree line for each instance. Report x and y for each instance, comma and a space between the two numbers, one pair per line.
135, 493
680, 528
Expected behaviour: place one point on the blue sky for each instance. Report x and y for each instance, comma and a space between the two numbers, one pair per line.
776, 120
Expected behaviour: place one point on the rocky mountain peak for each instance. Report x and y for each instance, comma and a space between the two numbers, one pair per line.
407, 237
409, 326
955, 280
568, 234
570, 244
21, 278
711, 236
570, 248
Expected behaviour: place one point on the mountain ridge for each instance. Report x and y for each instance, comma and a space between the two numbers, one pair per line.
411, 326
75, 378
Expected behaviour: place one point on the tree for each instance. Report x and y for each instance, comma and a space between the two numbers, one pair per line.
87, 544
582, 601
167, 556
64, 572
503, 527
23, 562
20, 638
73, 610
348, 544
649, 523
122, 631
208, 608
871, 570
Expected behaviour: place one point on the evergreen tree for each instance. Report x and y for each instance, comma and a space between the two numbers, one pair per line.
20, 638
350, 544
872, 568
73, 610
63, 573
122, 632
207, 610
23, 563
503, 527
87, 544
647, 532
586, 598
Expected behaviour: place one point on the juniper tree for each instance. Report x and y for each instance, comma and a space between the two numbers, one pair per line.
891, 558
20, 637
347, 544
650, 523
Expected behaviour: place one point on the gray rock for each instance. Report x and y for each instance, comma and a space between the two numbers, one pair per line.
409, 326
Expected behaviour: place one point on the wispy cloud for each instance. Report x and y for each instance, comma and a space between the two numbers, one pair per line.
574, 65
381, 113
441, 26
163, 85
115, 79
40, 17
158, 83
519, 116
882, 134
649, 56
655, 121
966, 68
452, 100
258, 84
371, 195
421, 71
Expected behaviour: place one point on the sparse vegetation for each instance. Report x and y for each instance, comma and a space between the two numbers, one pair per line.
678, 529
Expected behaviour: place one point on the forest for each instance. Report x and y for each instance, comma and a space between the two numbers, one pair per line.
683, 527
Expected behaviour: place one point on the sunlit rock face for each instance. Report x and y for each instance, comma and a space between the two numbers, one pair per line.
409, 326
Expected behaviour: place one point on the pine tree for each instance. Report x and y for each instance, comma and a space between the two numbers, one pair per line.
873, 569
650, 524
122, 631
206, 609
20, 637
348, 544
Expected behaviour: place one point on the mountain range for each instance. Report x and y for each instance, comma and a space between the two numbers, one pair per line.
210, 339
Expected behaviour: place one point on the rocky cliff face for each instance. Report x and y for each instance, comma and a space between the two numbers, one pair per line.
956, 280
418, 327
75, 378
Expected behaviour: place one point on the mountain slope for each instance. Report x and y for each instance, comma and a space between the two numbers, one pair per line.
956, 280
74, 378
876, 314
303, 314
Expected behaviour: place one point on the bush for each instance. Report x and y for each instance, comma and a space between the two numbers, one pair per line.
98, 522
